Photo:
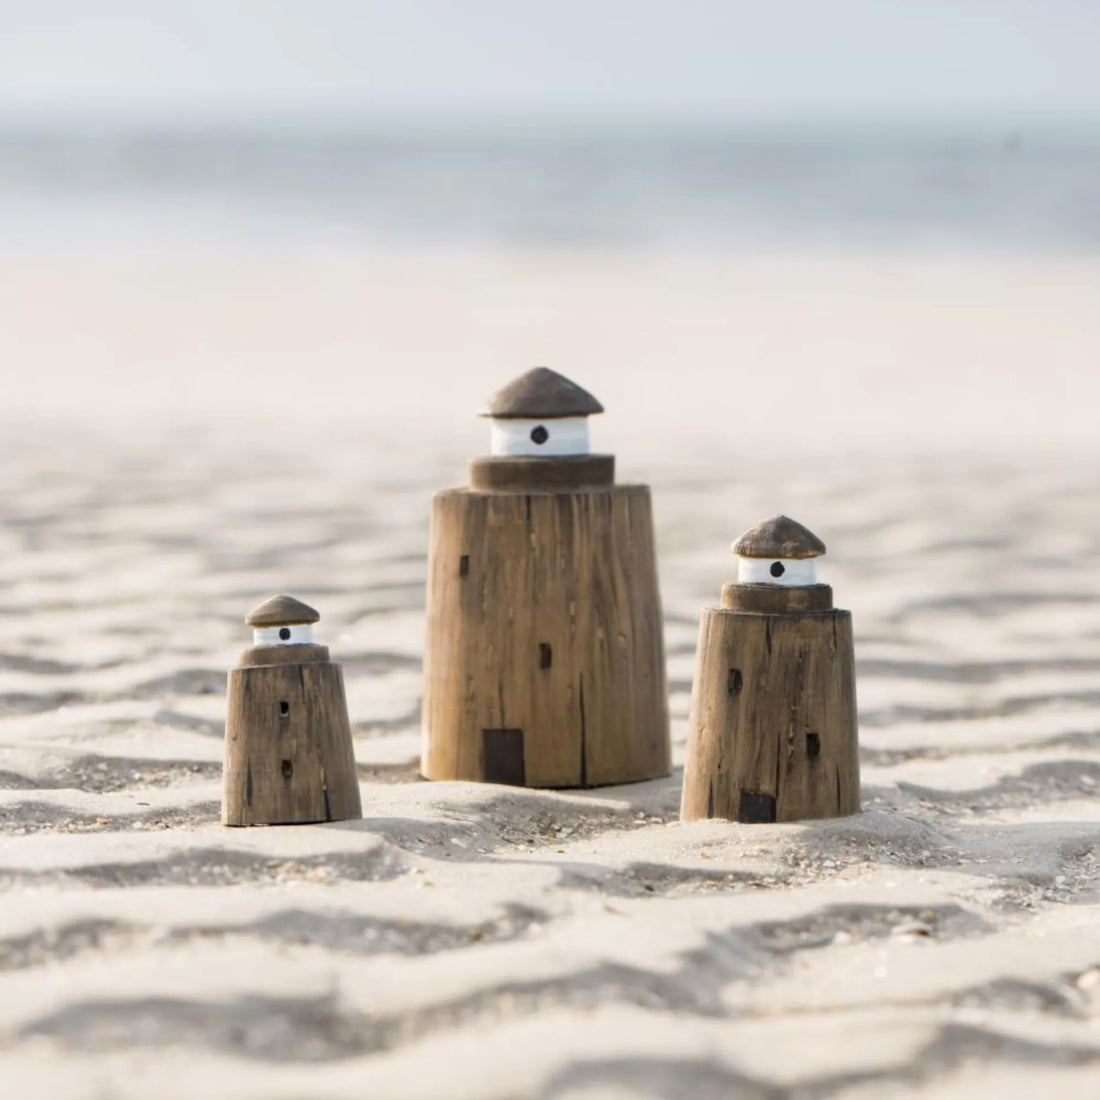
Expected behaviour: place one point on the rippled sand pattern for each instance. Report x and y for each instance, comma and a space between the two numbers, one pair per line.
477, 941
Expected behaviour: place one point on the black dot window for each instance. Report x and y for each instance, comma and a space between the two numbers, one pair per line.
777, 569
284, 633
539, 435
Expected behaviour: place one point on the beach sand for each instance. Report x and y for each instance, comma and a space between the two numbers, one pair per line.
178, 447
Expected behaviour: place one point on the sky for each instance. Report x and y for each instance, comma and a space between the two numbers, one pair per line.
921, 59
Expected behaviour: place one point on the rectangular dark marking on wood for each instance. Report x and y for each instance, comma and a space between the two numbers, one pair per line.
502, 757
734, 681
464, 565
756, 808
284, 709
287, 769
546, 655
710, 801
813, 745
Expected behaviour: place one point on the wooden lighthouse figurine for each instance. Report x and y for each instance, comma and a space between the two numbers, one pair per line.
772, 734
545, 663
288, 752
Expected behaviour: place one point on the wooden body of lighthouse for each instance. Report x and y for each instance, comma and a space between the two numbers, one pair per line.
288, 752
545, 662
772, 733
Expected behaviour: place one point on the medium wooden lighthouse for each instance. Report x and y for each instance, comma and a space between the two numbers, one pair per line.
288, 751
545, 663
772, 734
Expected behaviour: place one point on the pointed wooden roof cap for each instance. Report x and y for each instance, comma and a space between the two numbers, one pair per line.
281, 611
541, 394
779, 537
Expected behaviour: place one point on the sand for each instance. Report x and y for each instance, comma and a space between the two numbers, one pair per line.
477, 941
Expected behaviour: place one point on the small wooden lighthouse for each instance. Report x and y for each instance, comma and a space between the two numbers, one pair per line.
545, 663
772, 734
288, 752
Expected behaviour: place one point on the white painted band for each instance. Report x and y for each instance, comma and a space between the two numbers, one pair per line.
565, 436
795, 572
273, 635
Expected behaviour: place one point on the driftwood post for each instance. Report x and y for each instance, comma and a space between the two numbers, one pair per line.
545, 662
772, 734
288, 751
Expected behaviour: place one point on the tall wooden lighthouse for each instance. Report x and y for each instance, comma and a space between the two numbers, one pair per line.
545, 663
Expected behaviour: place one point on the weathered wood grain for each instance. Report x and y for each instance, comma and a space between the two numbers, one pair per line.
282, 654
768, 599
288, 750
541, 392
281, 610
772, 733
516, 474
544, 615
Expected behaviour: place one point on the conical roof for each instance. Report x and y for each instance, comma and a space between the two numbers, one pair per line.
779, 537
541, 394
281, 611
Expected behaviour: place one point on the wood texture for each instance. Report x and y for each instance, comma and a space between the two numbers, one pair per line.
773, 718
300, 653
520, 474
288, 751
544, 616
778, 537
540, 394
770, 599
281, 610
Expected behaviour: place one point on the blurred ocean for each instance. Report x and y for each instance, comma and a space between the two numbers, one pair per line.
861, 286
602, 188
